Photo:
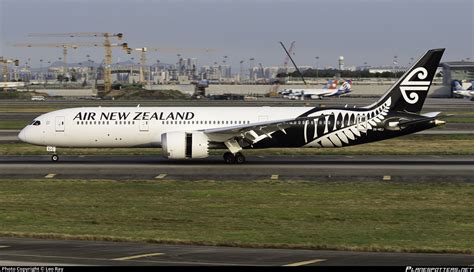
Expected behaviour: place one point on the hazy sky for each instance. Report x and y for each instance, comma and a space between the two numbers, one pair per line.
371, 31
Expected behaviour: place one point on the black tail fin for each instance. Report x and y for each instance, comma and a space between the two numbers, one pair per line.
409, 92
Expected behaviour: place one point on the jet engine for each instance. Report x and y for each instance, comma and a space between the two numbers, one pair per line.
185, 145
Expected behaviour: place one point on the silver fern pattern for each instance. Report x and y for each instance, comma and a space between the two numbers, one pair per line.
346, 126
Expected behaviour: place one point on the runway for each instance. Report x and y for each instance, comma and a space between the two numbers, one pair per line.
27, 251
312, 168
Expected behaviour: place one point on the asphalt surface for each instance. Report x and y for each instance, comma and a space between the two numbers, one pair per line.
311, 168
27, 251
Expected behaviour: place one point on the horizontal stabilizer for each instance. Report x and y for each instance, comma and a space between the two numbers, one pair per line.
431, 114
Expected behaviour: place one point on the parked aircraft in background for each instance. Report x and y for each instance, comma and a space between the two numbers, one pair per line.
190, 132
332, 88
459, 90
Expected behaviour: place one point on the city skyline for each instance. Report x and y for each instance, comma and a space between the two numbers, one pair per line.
367, 31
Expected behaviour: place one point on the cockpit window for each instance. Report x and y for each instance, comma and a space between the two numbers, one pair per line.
36, 123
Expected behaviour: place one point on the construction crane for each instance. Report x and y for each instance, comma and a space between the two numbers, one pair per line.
106, 44
287, 58
5, 63
64, 46
143, 58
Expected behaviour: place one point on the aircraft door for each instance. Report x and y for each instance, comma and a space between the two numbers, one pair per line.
144, 125
262, 118
60, 124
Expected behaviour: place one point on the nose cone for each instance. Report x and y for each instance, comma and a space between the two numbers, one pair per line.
22, 135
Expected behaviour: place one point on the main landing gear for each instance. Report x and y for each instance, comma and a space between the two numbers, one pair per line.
237, 158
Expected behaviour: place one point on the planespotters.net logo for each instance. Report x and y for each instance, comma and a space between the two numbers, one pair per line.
438, 269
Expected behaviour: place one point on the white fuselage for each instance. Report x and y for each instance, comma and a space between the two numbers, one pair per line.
464, 93
140, 126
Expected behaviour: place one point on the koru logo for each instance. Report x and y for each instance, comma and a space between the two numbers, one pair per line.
412, 86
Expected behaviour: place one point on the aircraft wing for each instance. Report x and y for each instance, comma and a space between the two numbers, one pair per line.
248, 134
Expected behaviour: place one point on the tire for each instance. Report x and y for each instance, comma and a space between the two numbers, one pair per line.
229, 158
54, 158
239, 158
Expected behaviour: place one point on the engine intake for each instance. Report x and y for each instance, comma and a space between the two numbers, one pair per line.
185, 145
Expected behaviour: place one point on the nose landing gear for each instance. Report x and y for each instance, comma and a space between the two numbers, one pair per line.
237, 158
54, 157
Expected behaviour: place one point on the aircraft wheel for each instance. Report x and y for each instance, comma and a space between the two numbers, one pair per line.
54, 158
229, 158
239, 158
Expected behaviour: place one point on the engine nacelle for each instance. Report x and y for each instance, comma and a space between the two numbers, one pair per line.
185, 145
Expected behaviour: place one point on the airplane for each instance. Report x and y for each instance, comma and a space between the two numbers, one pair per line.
190, 132
459, 90
330, 89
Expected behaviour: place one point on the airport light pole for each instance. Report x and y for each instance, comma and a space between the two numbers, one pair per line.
47, 74
394, 63
241, 70
317, 67
41, 69
250, 67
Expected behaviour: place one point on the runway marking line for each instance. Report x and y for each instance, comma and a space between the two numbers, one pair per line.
387, 178
137, 256
161, 176
274, 177
4, 246
51, 175
305, 262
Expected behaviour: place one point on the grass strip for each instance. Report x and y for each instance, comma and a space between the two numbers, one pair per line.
368, 216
